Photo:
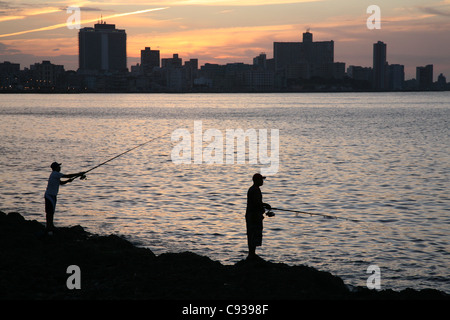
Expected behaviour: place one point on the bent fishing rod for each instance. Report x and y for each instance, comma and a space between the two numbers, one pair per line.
83, 177
314, 214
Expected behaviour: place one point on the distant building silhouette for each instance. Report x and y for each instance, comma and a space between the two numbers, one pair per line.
191, 72
307, 59
174, 73
7, 67
260, 61
360, 73
424, 77
191, 64
441, 82
175, 61
46, 74
149, 60
396, 76
261, 76
9, 75
379, 66
102, 49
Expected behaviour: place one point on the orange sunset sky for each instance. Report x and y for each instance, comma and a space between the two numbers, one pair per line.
417, 32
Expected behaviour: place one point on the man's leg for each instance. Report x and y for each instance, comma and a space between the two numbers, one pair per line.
49, 213
251, 251
251, 242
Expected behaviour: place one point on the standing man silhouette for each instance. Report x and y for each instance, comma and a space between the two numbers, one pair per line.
52, 191
254, 215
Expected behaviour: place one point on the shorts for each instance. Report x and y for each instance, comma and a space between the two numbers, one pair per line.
254, 234
50, 204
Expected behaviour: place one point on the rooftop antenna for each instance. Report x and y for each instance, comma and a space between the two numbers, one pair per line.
101, 19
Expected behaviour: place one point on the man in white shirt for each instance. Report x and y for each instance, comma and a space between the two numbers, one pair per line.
54, 181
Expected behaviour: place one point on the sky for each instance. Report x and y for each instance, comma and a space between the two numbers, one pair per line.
417, 32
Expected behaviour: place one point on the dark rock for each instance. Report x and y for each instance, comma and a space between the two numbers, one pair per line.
33, 265
15, 217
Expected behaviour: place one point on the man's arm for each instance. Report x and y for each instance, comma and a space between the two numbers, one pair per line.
73, 175
66, 181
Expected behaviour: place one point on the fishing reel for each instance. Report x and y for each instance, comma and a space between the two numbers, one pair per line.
269, 213
83, 177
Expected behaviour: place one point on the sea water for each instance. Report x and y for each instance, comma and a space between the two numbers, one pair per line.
380, 158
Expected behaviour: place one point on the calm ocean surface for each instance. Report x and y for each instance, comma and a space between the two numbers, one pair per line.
381, 158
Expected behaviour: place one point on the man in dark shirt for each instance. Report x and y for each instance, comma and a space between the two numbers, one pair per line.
254, 215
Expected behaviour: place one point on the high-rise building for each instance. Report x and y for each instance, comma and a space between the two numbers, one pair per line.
424, 77
305, 59
379, 66
149, 59
102, 49
286, 53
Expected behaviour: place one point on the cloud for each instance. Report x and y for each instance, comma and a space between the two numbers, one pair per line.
7, 18
5, 49
4, 5
238, 2
17, 13
435, 11
92, 9
64, 25
208, 2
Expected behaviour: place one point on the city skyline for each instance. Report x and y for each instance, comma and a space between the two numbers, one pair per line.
296, 66
228, 31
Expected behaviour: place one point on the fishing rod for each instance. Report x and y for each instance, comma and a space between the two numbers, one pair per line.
83, 177
315, 214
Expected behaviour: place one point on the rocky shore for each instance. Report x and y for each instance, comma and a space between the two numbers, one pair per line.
33, 266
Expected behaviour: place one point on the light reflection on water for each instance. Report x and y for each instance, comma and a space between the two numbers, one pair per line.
379, 158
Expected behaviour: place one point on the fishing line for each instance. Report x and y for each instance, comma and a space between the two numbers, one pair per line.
83, 177
372, 225
315, 214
